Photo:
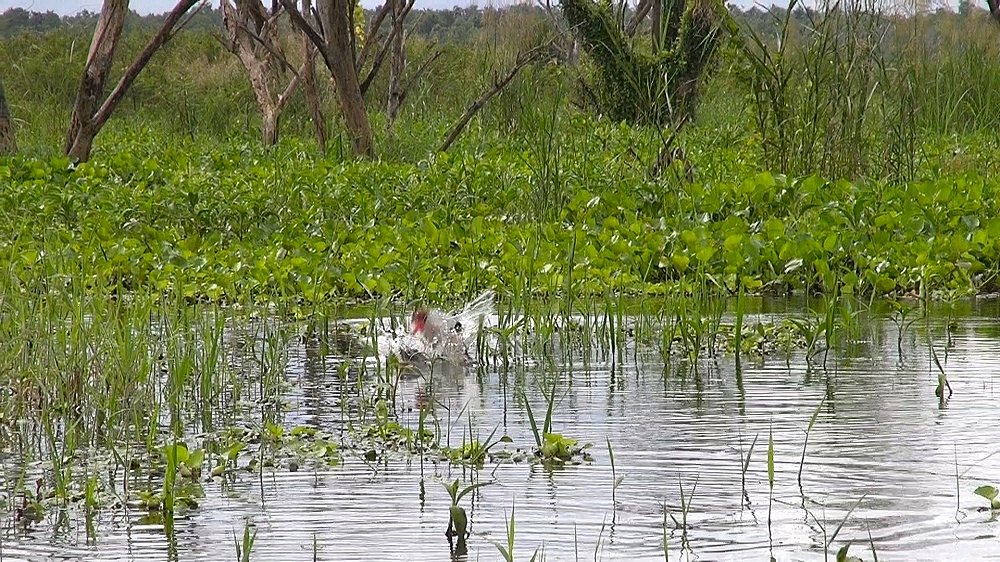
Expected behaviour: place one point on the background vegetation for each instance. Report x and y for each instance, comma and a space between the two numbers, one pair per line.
839, 148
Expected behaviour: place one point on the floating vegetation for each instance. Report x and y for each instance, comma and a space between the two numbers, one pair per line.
990, 494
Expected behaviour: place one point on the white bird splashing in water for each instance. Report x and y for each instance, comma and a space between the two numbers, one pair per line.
437, 335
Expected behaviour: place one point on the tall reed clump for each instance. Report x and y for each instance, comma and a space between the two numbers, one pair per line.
825, 95
659, 87
951, 63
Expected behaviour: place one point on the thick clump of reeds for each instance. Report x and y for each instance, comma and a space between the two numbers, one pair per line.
656, 87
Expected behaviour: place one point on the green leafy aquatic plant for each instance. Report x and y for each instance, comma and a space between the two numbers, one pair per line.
556, 447
942, 378
207, 228
458, 519
474, 452
991, 494
553, 447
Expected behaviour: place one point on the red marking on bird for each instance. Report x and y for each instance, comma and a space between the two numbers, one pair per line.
418, 321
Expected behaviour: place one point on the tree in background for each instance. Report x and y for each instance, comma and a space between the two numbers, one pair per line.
7, 140
335, 41
91, 109
310, 85
657, 87
254, 39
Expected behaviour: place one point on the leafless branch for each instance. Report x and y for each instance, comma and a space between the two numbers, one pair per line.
383, 51
161, 37
300, 22
523, 60
412, 81
187, 20
371, 39
270, 49
640, 13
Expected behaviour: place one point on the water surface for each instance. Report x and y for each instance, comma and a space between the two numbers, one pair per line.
883, 445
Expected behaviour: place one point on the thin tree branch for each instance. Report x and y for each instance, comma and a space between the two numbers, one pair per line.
301, 23
640, 13
373, 33
383, 51
290, 89
187, 20
419, 73
274, 52
158, 40
523, 60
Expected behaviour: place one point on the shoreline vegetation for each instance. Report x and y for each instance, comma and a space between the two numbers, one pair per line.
228, 224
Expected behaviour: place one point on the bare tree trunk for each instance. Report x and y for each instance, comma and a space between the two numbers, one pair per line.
80, 136
85, 122
310, 86
253, 38
336, 47
8, 144
336, 21
656, 29
398, 62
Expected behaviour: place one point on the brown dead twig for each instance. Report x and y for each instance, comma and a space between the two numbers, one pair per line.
523, 60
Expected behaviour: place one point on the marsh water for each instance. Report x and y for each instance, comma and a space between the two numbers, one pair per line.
880, 464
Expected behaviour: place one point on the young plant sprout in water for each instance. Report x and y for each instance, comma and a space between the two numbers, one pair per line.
458, 519
990, 493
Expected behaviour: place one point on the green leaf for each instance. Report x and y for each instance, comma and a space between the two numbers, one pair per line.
680, 261
987, 491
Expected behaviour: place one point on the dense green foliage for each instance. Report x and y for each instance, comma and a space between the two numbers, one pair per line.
537, 197
638, 87
232, 223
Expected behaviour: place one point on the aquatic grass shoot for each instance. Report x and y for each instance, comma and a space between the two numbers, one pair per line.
245, 546
507, 550
550, 398
829, 538
805, 442
616, 481
770, 475
745, 466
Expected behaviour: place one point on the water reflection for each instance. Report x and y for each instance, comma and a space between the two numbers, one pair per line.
884, 450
